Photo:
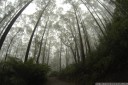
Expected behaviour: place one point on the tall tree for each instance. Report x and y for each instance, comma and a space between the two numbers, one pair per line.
110, 13
60, 55
10, 44
44, 51
49, 52
80, 35
11, 23
67, 57
29, 44
94, 18
87, 43
41, 42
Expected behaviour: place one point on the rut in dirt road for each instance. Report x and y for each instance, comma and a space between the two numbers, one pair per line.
55, 81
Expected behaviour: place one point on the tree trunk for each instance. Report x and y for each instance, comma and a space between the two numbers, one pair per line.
77, 49
75, 54
99, 19
94, 18
44, 50
67, 57
29, 44
105, 8
60, 55
80, 36
8, 23
41, 43
86, 38
11, 23
49, 52
10, 44
35, 50
45, 46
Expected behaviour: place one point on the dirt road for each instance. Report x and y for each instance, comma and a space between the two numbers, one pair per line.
56, 81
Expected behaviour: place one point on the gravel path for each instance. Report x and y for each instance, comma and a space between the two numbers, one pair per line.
55, 81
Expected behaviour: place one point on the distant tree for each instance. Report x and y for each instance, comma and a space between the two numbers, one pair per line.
41, 42
10, 44
80, 35
48, 57
60, 56
67, 57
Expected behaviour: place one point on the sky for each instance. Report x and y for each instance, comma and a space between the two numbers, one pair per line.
59, 3
32, 7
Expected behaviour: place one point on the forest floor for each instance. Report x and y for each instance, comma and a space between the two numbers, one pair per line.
56, 81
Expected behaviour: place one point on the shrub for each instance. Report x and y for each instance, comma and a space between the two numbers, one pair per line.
15, 72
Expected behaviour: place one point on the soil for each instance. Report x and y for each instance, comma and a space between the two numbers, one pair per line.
56, 81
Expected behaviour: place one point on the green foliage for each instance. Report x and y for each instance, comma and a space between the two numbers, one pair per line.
54, 74
15, 72
68, 72
109, 62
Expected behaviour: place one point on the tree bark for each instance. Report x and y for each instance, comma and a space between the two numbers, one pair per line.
49, 52
29, 44
76, 53
94, 18
11, 23
88, 49
10, 44
80, 36
105, 8
67, 57
44, 50
60, 55
41, 43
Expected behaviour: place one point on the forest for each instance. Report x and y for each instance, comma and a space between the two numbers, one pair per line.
63, 42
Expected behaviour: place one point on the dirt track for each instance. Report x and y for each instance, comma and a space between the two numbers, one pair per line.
55, 81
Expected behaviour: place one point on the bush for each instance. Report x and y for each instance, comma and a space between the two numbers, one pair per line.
15, 72
54, 74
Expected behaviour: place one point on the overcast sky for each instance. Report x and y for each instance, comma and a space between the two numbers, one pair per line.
32, 7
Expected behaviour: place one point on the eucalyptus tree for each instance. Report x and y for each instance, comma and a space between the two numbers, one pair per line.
84, 43
60, 56
11, 23
86, 39
76, 52
85, 3
80, 34
69, 35
105, 8
36, 46
55, 62
66, 57
11, 43
37, 61
70, 44
103, 24
7, 12
48, 14
29, 44
48, 57
7, 23
7, 8
66, 36
44, 51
